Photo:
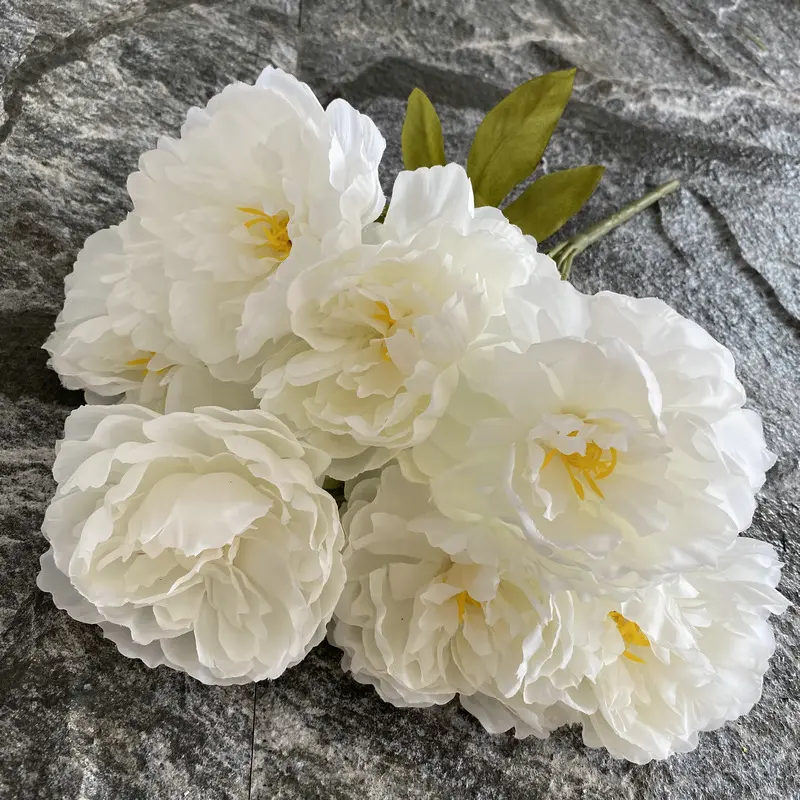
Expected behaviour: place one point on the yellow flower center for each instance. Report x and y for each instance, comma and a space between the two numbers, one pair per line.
272, 229
591, 466
384, 317
464, 599
631, 634
143, 362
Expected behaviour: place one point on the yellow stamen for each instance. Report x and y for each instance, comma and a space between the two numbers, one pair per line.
143, 362
137, 362
631, 634
593, 465
463, 599
273, 229
383, 315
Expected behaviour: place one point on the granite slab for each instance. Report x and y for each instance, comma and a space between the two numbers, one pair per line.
704, 90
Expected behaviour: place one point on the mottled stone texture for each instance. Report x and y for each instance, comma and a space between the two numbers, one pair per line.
706, 90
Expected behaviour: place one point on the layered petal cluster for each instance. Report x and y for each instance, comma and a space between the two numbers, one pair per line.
563, 545
262, 180
87, 349
378, 332
97, 347
689, 654
197, 540
435, 608
609, 431
546, 489
432, 607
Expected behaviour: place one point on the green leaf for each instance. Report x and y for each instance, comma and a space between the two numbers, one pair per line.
510, 140
423, 143
549, 202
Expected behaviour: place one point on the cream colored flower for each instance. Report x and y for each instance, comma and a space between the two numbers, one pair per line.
433, 607
612, 435
196, 540
677, 658
85, 350
378, 331
102, 335
261, 181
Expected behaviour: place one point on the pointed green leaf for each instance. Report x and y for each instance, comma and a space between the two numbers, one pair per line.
549, 202
510, 140
423, 143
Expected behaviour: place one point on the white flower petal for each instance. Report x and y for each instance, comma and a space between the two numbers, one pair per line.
261, 183
429, 196
199, 540
378, 332
613, 438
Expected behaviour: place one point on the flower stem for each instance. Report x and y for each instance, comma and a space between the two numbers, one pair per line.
564, 253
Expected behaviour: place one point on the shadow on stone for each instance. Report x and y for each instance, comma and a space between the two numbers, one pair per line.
25, 371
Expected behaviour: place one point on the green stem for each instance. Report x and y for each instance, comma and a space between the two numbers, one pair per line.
563, 254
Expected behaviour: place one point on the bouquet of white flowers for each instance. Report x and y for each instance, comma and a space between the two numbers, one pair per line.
540, 492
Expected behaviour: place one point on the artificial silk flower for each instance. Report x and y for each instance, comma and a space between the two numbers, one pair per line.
378, 332
610, 432
434, 607
262, 179
197, 540
107, 323
85, 349
677, 658
544, 489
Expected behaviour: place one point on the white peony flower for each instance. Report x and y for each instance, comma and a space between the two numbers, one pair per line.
434, 607
378, 331
614, 437
84, 349
676, 658
261, 181
196, 540
94, 344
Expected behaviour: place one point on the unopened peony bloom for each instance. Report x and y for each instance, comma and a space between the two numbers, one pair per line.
378, 331
197, 540
435, 608
94, 344
262, 180
612, 436
677, 658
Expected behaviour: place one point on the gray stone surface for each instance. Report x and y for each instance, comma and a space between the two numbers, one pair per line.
707, 90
